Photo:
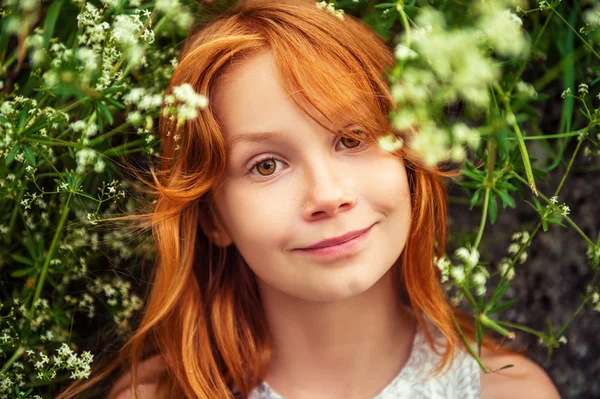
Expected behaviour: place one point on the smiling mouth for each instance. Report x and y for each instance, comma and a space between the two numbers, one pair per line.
330, 242
351, 243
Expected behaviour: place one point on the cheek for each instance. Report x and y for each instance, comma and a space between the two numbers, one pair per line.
256, 219
385, 185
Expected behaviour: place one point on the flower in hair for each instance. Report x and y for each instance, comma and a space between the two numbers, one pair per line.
331, 9
390, 143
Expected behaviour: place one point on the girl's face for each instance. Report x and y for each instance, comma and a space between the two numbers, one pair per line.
291, 184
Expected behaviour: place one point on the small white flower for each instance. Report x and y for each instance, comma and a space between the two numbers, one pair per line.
390, 143
583, 89
513, 249
562, 339
554, 200
458, 273
404, 53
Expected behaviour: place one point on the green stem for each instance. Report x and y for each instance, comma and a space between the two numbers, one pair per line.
486, 201
577, 33
469, 297
400, 8
568, 219
553, 136
486, 321
522, 147
574, 315
562, 181
107, 135
117, 149
512, 265
521, 327
468, 345
52, 142
53, 247
18, 353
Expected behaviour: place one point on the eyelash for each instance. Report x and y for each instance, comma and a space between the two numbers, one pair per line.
270, 157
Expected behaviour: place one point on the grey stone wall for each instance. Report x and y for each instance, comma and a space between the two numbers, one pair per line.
549, 283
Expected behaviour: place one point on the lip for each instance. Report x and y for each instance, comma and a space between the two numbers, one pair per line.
334, 247
337, 240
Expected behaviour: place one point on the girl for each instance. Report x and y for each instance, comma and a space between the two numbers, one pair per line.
294, 254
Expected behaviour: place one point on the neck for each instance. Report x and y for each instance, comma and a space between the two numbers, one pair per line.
351, 348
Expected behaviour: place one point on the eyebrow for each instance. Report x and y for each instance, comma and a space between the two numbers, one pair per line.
255, 137
258, 137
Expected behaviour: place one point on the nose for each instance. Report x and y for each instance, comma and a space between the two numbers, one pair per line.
328, 189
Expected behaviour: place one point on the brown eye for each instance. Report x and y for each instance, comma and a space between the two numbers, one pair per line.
266, 167
350, 142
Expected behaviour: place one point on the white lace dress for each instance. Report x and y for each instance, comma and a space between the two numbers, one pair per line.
461, 382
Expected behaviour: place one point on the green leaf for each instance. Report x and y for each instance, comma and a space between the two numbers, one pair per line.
385, 5
505, 185
544, 225
50, 21
11, 155
502, 142
471, 175
5, 35
507, 200
475, 198
22, 259
114, 102
478, 332
29, 155
499, 293
502, 306
22, 272
538, 206
470, 184
493, 208
106, 112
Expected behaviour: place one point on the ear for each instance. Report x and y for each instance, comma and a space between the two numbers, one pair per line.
213, 228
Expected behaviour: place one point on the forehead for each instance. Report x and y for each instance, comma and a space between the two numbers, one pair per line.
249, 97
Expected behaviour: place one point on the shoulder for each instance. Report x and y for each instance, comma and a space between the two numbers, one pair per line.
149, 373
526, 380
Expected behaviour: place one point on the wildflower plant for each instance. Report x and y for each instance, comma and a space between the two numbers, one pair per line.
82, 83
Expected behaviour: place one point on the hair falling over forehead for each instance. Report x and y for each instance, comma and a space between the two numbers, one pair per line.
203, 311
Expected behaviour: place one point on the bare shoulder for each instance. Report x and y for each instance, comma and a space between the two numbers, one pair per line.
526, 380
149, 373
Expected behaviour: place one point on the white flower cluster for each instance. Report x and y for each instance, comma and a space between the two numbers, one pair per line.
552, 342
526, 89
84, 303
10, 111
593, 254
79, 366
330, 7
467, 274
177, 15
143, 99
502, 29
88, 159
127, 29
390, 143
594, 296
120, 299
35, 44
557, 208
519, 239
439, 65
592, 17
188, 102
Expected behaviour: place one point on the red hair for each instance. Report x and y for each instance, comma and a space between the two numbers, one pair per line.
203, 313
